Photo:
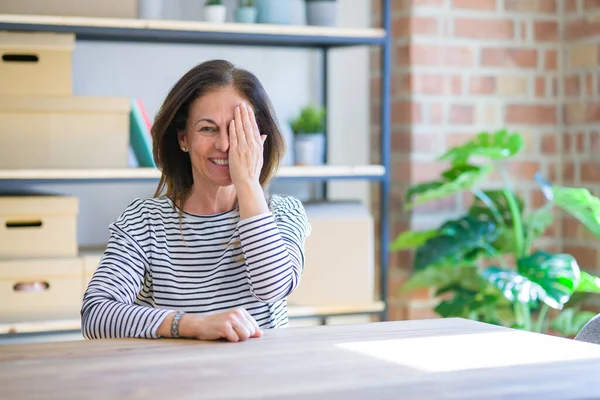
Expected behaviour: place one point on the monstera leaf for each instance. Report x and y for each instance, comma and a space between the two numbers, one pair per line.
550, 278
476, 305
444, 274
495, 146
538, 221
588, 283
457, 240
581, 204
410, 239
454, 180
489, 202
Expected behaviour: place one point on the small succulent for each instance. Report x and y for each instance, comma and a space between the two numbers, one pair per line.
214, 3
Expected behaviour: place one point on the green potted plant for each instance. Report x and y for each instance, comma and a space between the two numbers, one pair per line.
214, 11
309, 136
484, 265
245, 12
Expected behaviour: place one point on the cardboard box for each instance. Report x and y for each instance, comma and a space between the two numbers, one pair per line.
38, 226
64, 132
36, 63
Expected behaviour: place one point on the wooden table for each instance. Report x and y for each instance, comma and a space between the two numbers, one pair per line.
430, 359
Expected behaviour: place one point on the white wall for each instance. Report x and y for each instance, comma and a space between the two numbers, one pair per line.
290, 76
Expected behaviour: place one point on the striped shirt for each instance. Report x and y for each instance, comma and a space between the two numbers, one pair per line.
211, 263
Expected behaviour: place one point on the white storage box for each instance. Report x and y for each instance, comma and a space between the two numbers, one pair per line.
64, 132
38, 226
36, 63
339, 257
40, 290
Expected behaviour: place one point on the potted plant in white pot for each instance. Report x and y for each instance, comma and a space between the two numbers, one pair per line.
321, 12
214, 11
246, 12
309, 136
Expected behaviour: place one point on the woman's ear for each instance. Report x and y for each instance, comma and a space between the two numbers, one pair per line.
182, 141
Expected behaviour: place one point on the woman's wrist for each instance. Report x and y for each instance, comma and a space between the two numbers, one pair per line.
188, 326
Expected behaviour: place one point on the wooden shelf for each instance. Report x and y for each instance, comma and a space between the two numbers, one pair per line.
366, 172
122, 29
293, 312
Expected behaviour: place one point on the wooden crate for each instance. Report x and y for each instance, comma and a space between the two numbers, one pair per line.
38, 226
64, 132
36, 63
40, 289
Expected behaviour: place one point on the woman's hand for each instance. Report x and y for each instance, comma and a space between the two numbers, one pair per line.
233, 325
245, 148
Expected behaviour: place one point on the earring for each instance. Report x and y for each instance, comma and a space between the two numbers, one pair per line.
184, 148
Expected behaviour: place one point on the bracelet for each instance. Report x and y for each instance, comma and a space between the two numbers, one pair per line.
175, 325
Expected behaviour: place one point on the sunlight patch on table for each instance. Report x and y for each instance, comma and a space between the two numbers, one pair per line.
475, 351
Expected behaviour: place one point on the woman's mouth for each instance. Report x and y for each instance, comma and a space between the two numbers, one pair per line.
221, 162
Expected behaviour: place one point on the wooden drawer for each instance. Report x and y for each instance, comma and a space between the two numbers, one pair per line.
36, 63
64, 132
40, 289
38, 226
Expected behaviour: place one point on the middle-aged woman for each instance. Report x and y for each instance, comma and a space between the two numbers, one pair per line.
210, 256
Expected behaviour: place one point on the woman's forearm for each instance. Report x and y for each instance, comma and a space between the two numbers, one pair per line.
251, 200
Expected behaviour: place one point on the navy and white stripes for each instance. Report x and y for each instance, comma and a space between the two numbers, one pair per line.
210, 264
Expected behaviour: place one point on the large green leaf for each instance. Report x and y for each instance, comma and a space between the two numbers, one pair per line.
499, 145
454, 180
557, 274
571, 321
537, 222
456, 239
480, 305
444, 274
550, 278
497, 198
581, 204
588, 283
411, 239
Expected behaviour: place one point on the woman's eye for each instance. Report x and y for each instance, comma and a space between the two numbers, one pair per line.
208, 129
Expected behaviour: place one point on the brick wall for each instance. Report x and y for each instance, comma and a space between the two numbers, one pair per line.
464, 66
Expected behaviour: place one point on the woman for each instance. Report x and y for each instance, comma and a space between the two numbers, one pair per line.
211, 258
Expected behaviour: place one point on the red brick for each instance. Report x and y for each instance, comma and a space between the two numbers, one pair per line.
427, 84
405, 112
545, 31
591, 4
571, 83
456, 84
580, 138
540, 87
530, 115
590, 172
457, 56
582, 113
551, 60
436, 113
541, 6
406, 141
405, 26
570, 5
446, 204
586, 256
582, 28
509, 57
407, 171
403, 56
524, 169
595, 142
482, 84
571, 227
589, 84
458, 139
461, 114
568, 171
481, 5
549, 143
484, 28
419, 312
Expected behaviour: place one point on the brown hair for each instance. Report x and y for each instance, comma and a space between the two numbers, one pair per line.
174, 164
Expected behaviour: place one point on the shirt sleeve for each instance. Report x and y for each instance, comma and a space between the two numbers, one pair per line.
273, 248
108, 309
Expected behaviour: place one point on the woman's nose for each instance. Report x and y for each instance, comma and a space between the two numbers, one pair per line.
223, 141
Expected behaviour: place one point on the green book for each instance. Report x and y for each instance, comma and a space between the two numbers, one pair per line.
139, 136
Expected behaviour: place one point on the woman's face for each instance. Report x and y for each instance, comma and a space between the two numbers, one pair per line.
206, 136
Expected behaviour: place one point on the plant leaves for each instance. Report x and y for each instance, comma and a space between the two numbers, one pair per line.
412, 239
445, 274
538, 221
514, 286
557, 274
482, 211
570, 321
499, 145
455, 240
455, 180
588, 283
581, 204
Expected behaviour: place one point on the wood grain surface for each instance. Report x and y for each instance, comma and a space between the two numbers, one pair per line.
429, 359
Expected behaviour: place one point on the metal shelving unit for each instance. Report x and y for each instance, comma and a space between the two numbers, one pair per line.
320, 38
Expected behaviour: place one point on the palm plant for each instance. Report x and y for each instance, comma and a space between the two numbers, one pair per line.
484, 265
